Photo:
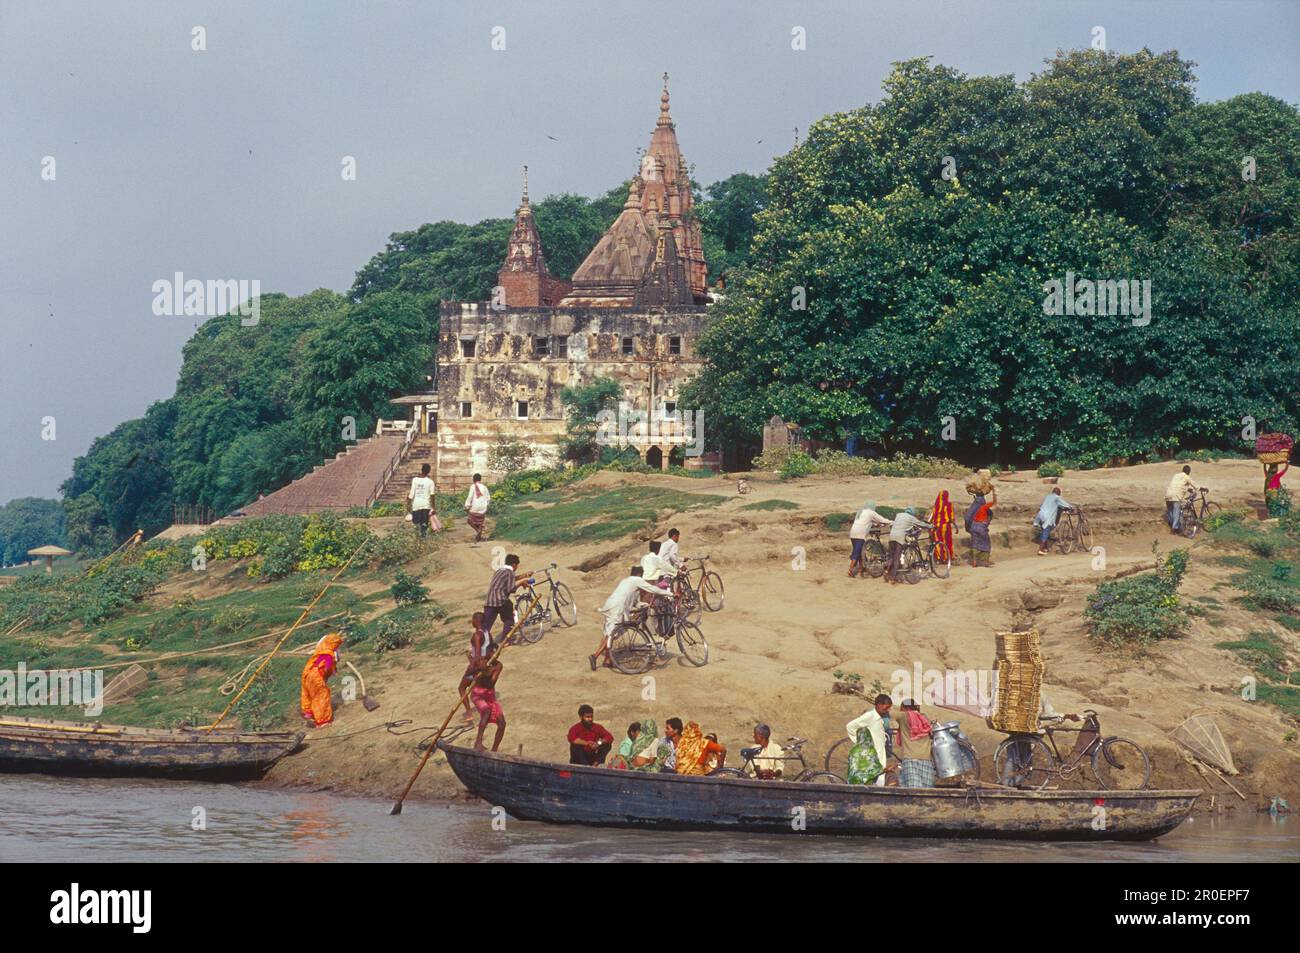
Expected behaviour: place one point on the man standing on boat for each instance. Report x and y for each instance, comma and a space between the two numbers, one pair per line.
589, 743
875, 721
916, 769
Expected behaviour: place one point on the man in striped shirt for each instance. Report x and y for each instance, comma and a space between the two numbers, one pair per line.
497, 605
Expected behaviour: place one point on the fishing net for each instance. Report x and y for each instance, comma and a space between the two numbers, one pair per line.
1201, 736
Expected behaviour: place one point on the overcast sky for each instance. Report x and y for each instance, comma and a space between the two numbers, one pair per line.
226, 163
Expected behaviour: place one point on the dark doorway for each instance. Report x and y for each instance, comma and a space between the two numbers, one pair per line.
654, 458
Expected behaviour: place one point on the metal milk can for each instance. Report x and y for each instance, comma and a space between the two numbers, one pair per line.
946, 752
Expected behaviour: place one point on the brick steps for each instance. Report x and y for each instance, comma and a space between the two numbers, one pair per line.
424, 449
347, 480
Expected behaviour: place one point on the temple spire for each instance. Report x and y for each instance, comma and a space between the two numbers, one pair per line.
524, 201
664, 118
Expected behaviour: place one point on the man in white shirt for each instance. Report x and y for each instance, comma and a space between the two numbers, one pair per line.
617, 608
904, 522
1176, 495
654, 568
867, 518
420, 498
878, 728
769, 763
669, 552
476, 506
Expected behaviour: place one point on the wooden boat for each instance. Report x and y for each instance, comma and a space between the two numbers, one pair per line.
96, 750
571, 794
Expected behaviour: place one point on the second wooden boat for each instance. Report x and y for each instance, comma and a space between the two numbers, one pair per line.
97, 750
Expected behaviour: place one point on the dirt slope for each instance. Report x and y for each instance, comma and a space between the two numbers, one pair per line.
785, 630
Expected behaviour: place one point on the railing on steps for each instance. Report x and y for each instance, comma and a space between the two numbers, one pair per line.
392, 467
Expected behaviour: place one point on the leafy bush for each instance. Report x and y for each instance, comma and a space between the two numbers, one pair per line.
797, 464
1279, 502
376, 510
1141, 609
1223, 518
407, 590
233, 618
328, 542
1051, 468
392, 634
396, 547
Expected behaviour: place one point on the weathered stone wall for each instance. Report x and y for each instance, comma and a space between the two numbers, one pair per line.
506, 368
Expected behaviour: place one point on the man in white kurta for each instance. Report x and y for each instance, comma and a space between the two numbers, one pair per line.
618, 607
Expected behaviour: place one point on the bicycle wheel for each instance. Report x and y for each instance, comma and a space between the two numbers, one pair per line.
690, 640
711, 591
1120, 765
873, 560
566, 610
1064, 537
631, 649
726, 773
1085, 535
940, 568
911, 564
1190, 525
1210, 509
837, 758
533, 627
1030, 770
822, 777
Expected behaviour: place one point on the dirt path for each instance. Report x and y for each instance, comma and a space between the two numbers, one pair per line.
785, 630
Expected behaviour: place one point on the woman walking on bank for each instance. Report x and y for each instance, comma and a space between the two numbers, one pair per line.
978, 517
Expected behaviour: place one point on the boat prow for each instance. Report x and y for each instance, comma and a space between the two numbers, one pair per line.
573, 794
98, 750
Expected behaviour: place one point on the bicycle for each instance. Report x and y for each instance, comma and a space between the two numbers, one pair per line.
1117, 763
837, 758
1072, 532
875, 557
1195, 511
554, 606
792, 751
914, 560
633, 648
706, 593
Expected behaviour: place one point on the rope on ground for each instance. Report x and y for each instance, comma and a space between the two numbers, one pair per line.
305, 612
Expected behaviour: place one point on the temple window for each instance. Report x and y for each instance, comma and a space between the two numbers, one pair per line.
466, 409
628, 348
467, 347
542, 346
675, 345
562, 347
521, 409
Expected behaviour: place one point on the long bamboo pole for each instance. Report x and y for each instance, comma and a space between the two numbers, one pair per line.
460, 700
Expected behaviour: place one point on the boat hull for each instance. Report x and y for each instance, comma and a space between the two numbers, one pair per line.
571, 794
68, 748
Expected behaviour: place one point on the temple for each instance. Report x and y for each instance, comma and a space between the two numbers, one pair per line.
632, 312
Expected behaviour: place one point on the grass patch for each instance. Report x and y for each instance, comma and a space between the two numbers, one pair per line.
565, 516
771, 505
1265, 655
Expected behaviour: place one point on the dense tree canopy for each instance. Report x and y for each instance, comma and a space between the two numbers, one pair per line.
905, 249
26, 523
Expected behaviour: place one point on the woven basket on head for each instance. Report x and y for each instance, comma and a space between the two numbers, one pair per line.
1274, 456
1200, 735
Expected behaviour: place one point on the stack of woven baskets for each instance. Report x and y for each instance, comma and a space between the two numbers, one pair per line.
1273, 448
1020, 679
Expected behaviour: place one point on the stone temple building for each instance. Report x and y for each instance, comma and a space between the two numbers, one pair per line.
632, 312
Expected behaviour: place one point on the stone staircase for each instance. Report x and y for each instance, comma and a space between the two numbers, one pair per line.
424, 449
351, 478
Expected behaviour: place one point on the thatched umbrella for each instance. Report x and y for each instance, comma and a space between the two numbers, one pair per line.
49, 552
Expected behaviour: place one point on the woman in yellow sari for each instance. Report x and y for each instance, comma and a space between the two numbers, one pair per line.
316, 705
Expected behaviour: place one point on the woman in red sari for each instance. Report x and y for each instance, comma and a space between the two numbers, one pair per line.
316, 705
941, 534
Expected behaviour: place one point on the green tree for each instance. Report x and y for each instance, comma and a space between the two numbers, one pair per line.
26, 523
587, 407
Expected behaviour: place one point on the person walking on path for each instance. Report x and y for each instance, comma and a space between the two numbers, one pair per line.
867, 518
1047, 516
978, 517
1180, 487
476, 506
420, 500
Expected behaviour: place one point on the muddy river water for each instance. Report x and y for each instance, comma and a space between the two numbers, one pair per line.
80, 820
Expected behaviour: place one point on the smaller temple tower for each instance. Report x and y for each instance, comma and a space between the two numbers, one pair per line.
524, 278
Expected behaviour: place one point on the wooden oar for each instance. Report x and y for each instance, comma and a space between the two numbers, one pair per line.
433, 743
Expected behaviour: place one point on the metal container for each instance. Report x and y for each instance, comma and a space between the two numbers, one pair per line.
946, 751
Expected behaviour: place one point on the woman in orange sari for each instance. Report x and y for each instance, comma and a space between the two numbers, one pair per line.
695, 753
316, 705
